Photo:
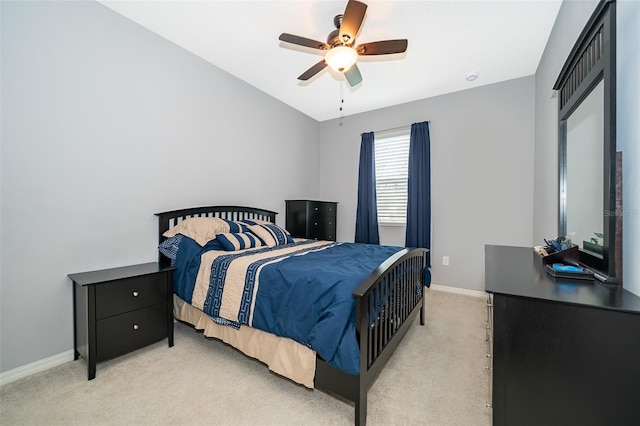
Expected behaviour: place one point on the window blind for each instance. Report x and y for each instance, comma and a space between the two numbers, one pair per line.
392, 162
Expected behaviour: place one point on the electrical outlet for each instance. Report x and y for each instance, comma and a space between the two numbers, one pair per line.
445, 260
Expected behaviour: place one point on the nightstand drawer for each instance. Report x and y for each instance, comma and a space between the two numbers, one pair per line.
116, 297
124, 333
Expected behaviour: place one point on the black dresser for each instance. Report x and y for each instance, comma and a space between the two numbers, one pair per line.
561, 352
312, 219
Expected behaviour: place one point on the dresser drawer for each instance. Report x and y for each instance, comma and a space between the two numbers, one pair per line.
314, 206
322, 231
116, 297
322, 210
126, 332
322, 223
329, 210
320, 217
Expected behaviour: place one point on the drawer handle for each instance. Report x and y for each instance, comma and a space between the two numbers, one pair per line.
135, 294
135, 326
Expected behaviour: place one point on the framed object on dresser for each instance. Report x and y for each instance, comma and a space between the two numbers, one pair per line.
315, 220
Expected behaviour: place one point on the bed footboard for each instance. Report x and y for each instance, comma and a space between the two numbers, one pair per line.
387, 303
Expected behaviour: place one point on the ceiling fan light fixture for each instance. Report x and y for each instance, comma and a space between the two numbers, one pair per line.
340, 51
341, 58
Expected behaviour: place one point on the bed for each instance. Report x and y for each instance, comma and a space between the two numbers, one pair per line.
380, 305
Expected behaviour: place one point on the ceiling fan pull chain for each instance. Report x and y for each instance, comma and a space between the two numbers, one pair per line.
341, 97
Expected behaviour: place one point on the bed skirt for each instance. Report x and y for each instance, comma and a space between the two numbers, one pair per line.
282, 355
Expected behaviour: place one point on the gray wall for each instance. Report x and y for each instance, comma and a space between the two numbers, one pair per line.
103, 124
481, 171
571, 19
628, 134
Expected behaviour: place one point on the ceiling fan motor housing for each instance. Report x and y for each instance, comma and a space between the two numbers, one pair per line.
333, 39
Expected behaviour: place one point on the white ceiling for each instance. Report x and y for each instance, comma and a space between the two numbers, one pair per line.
499, 39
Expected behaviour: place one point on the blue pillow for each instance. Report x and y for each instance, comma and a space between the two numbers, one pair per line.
236, 227
255, 222
232, 241
271, 234
169, 247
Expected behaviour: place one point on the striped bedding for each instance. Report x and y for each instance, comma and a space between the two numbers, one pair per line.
300, 290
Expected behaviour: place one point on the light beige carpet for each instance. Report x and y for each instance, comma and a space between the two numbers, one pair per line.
435, 377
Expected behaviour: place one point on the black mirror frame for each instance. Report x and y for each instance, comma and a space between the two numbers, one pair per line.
593, 59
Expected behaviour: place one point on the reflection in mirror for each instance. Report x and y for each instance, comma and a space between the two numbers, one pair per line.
584, 171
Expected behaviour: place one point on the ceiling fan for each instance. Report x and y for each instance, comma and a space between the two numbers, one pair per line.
341, 54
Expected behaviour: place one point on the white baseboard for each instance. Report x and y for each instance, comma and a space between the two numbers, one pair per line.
458, 290
35, 367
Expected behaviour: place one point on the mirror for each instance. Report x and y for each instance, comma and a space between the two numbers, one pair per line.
584, 165
589, 166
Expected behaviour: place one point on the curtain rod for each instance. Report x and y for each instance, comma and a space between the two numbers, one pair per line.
395, 128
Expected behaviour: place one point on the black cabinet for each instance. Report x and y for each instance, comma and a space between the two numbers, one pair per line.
312, 219
565, 352
119, 310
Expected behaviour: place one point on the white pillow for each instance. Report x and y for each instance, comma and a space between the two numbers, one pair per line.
200, 229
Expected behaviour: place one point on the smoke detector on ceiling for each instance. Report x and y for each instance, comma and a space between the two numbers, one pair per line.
472, 76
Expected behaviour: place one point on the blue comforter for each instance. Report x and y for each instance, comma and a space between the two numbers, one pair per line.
306, 296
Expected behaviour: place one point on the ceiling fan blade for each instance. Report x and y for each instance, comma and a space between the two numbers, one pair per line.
313, 70
353, 75
351, 21
385, 47
302, 41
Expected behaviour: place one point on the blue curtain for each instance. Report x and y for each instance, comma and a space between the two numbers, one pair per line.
419, 192
367, 213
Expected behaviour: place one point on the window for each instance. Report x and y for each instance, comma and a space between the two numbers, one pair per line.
392, 163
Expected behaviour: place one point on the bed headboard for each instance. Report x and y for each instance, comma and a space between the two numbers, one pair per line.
167, 220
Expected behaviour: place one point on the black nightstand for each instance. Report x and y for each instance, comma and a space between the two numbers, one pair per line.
120, 310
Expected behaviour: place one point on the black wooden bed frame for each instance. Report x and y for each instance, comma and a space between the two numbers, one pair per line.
387, 303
